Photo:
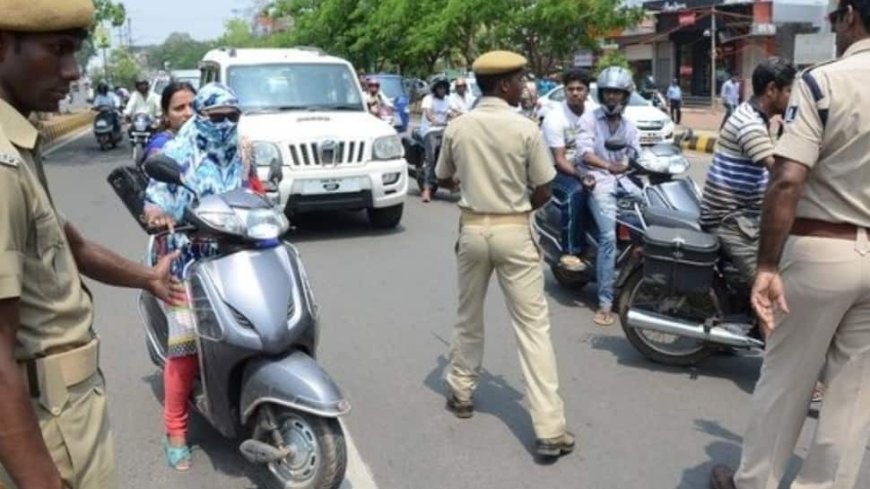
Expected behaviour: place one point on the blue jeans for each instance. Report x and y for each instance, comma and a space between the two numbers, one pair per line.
602, 203
569, 191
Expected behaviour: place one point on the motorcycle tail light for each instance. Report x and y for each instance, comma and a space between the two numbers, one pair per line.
623, 233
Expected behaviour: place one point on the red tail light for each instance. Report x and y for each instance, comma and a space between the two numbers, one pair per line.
623, 233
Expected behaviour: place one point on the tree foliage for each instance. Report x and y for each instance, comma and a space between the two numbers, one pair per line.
417, 36
123, 69
611, 58
179, 51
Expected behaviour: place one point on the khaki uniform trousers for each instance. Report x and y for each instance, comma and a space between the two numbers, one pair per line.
505, 244
827, 287
78, 438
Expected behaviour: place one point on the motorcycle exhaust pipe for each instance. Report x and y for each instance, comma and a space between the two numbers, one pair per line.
717, 334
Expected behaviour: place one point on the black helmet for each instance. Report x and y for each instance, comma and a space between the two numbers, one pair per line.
440, 81
102, 88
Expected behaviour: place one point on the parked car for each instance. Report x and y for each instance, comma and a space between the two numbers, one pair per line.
654, 125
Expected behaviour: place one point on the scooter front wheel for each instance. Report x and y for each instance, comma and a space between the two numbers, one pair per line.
318, 453
569, 279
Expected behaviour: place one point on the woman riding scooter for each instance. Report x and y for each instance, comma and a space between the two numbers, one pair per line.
208, 154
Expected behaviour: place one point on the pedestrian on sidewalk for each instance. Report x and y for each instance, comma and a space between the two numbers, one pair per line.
675, 101
498, 156
730, 96
813, 282
54, 421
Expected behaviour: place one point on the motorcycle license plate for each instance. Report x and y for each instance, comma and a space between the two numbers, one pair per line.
140, 134
331, 186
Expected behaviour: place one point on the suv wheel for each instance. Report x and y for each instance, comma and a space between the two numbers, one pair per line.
387, 217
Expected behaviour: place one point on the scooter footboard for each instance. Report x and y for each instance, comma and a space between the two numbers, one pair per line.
295, 381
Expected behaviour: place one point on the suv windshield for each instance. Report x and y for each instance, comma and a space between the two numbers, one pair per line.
297, 86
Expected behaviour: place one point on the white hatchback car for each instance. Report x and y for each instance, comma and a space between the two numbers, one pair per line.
653, 124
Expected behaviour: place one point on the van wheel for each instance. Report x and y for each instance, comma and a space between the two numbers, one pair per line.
387, 217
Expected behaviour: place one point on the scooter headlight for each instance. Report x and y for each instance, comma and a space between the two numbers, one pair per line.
266, 224
225, 222
678, 165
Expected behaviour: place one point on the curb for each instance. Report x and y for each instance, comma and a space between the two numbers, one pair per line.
701, 142
51, 131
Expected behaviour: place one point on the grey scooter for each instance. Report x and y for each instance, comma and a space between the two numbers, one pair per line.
256, 323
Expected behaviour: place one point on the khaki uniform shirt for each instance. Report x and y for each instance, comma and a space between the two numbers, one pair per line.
497, 155
36, 263
838, 155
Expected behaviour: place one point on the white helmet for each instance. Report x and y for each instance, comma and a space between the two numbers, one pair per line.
614, 78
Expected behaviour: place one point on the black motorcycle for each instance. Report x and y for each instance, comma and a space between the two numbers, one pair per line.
107, 127
142, 127
647, 191
415, 154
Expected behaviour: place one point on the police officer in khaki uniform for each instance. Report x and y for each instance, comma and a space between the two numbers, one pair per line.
54, 430
505, 171
816, 297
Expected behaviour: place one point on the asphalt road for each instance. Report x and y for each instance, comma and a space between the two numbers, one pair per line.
388, 304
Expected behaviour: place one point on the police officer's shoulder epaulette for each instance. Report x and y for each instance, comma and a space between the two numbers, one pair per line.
8, 154
812, 84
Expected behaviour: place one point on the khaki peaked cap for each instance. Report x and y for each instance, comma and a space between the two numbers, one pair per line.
45, 15
497, 63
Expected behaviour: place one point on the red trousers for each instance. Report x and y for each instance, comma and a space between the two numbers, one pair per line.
178, 377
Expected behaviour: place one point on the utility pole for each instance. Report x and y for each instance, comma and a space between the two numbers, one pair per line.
713, 58
129, 32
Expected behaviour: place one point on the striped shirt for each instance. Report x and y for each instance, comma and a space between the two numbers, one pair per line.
738, 178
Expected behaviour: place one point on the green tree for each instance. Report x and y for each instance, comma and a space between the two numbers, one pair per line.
611, 58
238, 34
179, 50
106, 13
124, 69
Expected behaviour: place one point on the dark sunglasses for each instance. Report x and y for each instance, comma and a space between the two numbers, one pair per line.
836, 15
230, 116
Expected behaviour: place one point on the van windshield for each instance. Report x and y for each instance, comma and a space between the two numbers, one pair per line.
297, 86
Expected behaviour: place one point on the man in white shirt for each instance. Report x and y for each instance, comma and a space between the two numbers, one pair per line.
143, 100
462, 99
560, 128
436, 112
730, 96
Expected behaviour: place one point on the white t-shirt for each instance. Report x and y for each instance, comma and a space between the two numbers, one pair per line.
561, 127
461, 104
440, 107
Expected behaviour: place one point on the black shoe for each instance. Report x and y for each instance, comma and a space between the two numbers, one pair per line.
555, 447
461, 409
722, 477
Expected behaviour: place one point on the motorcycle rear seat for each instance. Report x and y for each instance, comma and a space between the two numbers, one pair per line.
655, 216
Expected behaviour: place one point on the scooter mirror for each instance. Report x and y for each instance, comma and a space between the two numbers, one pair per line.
163, 169
616, 143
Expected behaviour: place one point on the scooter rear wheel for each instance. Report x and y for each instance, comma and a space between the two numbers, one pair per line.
320, 453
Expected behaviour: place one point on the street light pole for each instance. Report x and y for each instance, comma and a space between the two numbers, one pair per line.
713, 58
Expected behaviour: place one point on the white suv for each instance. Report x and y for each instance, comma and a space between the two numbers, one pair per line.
314, 140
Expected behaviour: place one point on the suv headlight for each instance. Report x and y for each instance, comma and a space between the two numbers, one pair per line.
388, 148
266, 154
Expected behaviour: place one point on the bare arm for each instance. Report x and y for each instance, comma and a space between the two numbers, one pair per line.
22, 450
562, 163
593, 159
108, 267
778, 213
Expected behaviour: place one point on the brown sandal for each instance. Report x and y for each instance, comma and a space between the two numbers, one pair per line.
604, 318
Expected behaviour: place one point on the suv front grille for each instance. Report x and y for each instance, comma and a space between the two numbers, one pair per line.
341, 153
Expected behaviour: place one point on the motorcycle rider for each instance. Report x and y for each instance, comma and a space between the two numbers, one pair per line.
107, 99
737, 180
436, 113
560, 129
462, 99
143, 100
615, 86
376, 101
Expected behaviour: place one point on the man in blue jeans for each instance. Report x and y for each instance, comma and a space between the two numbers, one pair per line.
615, 86
560, 129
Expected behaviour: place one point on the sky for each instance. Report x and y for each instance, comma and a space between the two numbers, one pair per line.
154, 20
